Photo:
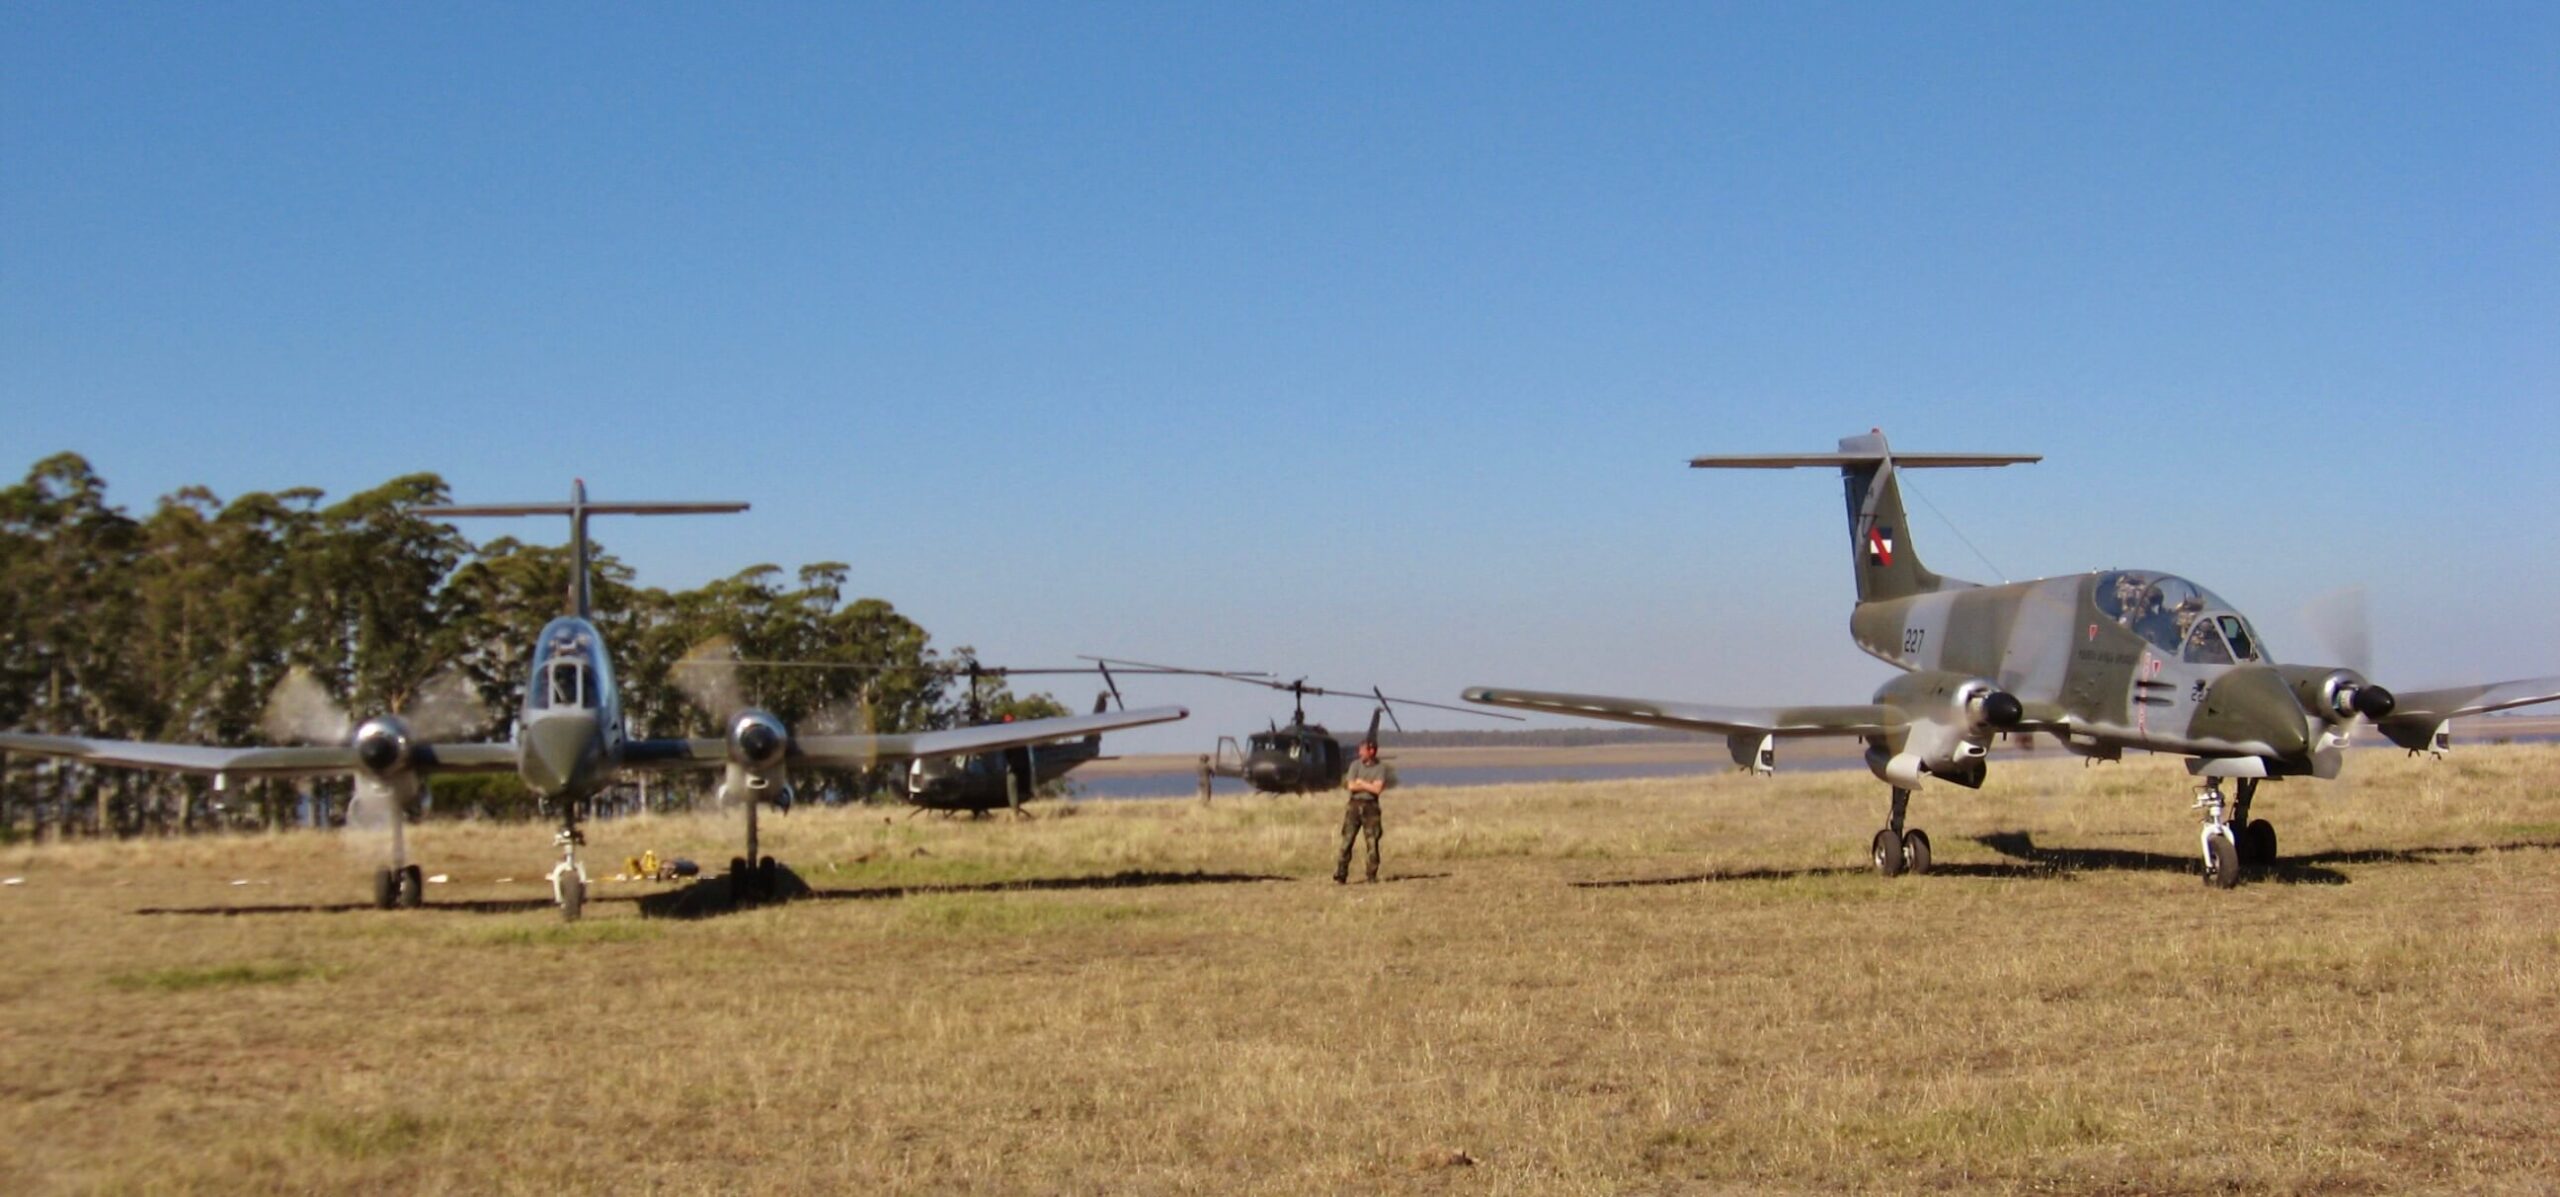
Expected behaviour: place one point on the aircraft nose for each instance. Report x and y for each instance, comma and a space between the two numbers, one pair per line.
2253, 705
558, 752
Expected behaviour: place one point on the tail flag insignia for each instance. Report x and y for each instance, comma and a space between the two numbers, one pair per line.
1880, 545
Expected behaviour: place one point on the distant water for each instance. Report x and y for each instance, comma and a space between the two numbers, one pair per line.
1187, 785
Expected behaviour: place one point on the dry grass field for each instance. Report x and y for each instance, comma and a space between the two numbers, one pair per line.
1655, 986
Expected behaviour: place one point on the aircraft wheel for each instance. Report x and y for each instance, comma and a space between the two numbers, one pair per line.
1915, 851
2221, 859
386, 888
2258, 842
573, 898
412, 888
1887, 851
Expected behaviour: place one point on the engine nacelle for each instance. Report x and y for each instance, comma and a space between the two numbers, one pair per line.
758, 741
1976, 704
1948, 720
384, 747
2339, 695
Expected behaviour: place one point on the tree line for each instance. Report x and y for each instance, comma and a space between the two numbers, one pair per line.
181, 625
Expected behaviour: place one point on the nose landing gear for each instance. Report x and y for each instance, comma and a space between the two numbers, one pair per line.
569, 877
2221, 847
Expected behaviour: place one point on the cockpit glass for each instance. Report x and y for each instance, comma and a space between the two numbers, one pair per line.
2234, 629
2166, 610
569, 666
2205, 646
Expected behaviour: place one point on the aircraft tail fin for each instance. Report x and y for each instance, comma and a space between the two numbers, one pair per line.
1093, 741
581, 601
1881, 554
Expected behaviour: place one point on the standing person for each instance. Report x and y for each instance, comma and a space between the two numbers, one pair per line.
1204, 779
1366, 780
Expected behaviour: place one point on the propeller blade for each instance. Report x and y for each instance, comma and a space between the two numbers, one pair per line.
707, 676
2342, 621
302, 711
447, 707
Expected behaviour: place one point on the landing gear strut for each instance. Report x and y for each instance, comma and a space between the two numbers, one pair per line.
2221, 847
569, 877
1896, 851
2257, 837
400, 885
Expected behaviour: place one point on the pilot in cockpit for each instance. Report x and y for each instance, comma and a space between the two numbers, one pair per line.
2129, 592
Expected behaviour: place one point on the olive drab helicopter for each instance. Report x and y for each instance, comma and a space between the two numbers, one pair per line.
571, 739
1302, 757
2103, 662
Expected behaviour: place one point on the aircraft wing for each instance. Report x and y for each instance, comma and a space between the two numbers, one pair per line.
854, 752
2414, 717
1855, 720
311, 761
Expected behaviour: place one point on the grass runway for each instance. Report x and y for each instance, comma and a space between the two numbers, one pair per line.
1679, 985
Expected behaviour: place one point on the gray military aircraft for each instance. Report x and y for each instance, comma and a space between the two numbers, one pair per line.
2103, 661
571, 740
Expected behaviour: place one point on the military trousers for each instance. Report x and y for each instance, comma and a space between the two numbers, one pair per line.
1361, 816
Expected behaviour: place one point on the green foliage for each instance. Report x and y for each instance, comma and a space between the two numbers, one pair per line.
179, 626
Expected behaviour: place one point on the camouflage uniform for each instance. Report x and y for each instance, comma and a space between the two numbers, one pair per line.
1362, 815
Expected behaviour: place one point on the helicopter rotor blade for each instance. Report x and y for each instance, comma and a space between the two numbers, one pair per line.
1390, 713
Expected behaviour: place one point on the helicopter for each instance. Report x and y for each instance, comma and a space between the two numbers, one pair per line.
1302, 757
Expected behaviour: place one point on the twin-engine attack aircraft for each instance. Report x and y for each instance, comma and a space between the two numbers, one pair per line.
1301, 757
979, 782
2102, 661
571, 740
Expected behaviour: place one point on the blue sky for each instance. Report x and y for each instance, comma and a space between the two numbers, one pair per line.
1362, 341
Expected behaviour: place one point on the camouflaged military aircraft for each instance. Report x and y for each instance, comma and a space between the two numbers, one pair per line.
2104, 661
571, 740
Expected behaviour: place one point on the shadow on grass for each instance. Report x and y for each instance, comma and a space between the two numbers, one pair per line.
1723, 875
1128, 879
2316, 868
484, 906
2028, 860
714, 896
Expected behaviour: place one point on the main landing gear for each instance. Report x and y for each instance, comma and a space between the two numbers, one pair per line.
399, 885
1895, 850
2231, 838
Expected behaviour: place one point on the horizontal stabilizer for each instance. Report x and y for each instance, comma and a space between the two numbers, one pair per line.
500, 509
1793, 461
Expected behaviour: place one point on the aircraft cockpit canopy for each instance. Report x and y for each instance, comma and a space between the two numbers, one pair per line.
570, 669
2178, 617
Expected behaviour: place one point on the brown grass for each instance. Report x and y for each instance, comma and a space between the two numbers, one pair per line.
1650, 986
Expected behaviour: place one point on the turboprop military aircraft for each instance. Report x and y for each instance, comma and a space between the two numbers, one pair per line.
978, 782
2104, 662
571, 740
